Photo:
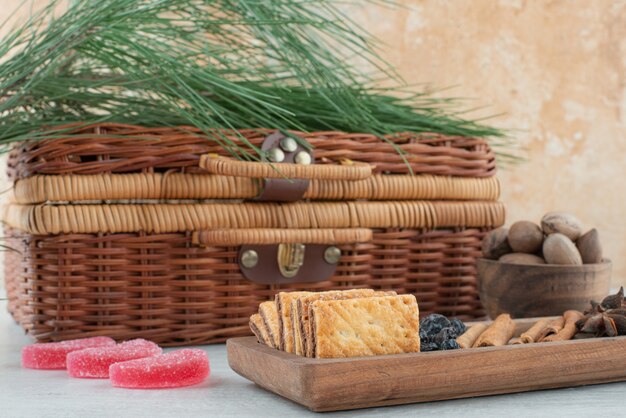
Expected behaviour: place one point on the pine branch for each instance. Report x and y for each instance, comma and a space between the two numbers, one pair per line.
209, 63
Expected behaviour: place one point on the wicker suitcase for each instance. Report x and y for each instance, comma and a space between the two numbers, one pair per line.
157, 233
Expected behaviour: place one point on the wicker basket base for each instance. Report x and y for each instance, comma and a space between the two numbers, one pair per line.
162, 287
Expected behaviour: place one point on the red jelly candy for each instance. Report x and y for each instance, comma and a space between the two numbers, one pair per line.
171, 370
51, 356
95, 362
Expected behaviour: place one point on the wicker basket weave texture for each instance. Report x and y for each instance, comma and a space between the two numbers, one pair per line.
160, 218
165, 288
136, 270
158, 186
114, 148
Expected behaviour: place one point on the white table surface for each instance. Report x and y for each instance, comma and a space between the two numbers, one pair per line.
32, 393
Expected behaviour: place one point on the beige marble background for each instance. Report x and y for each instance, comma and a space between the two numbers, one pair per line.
554, 69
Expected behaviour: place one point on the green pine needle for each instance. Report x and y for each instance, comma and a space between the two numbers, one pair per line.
213, 64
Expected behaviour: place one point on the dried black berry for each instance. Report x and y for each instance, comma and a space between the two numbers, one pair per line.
459, 326
424, 337
450, 345
434, 323
429, 347
444, 335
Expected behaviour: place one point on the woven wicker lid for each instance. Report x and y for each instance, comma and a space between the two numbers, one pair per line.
116, 148
141, 186
163, 218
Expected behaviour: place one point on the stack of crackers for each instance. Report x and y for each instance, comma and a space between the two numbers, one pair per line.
339, 323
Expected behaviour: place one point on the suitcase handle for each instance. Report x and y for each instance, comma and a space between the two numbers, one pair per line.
226, 166
283, 256
237, 237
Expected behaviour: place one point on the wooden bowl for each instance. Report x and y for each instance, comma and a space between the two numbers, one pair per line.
529, 290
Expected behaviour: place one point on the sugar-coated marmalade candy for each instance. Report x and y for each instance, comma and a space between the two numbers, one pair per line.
95, 362
171, 370
51, 356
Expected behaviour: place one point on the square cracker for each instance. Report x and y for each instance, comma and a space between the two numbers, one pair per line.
269, 315
298, 343
298, 314
302, 324
365, 327
283, 305
258, 329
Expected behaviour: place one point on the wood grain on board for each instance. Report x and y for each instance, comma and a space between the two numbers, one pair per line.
341, 384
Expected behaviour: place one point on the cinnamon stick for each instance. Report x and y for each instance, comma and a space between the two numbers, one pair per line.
499, 332
515, 341
569, 328
554, 326
470, 336
535, 332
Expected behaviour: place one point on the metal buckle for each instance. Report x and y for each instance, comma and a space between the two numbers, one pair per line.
290, 259
288, 263
280, 148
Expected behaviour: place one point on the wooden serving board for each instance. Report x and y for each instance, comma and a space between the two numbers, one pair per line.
362, 382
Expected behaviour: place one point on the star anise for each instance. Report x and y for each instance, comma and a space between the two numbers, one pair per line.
605, 319
593, 324
617, 325
595, 308
614, 301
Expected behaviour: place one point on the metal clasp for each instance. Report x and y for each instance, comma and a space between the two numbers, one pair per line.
279, 148
290, 259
